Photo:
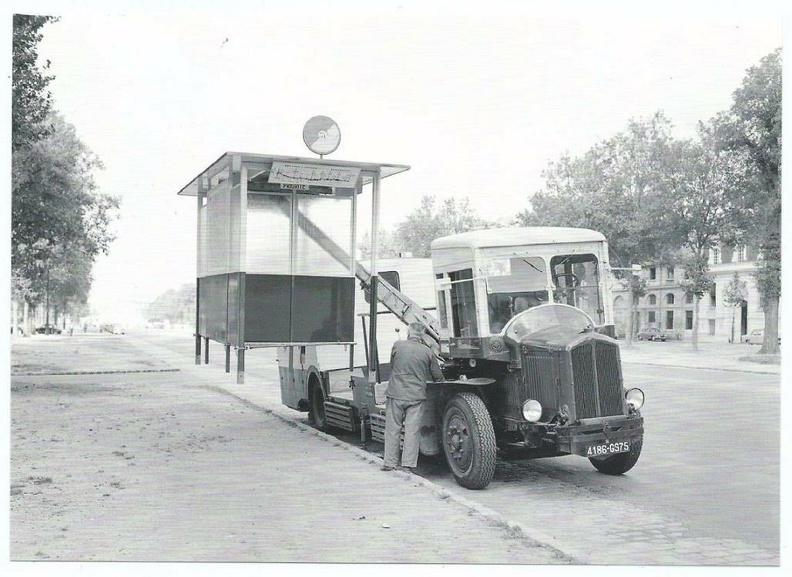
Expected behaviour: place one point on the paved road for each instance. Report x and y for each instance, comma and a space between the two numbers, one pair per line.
706, 490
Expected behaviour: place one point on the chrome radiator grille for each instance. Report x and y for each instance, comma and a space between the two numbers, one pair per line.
597, 379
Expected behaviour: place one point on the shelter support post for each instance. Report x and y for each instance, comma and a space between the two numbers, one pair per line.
240, 366
228, 358
206, 350
197, 347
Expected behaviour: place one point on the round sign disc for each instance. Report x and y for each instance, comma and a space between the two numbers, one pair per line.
321, 135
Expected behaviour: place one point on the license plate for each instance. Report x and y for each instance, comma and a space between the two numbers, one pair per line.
608, 449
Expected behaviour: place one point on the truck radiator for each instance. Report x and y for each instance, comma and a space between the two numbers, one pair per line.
340, 416
597, 377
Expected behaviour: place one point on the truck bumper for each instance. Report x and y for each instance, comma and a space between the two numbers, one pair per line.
576, 439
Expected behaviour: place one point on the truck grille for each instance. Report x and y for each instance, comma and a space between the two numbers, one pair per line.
597, 379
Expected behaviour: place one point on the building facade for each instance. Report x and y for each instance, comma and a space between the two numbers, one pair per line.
666, 306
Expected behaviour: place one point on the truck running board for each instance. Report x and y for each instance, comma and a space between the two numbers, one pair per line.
377, 423
341, 416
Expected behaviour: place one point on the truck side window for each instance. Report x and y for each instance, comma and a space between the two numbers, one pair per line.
463, 303
576, 278
391, 277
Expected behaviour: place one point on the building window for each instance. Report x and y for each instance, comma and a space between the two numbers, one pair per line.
669, 320
651, 299
689, 320
670, 273
651, 317
712, 327
652, 273
713, 293
689, 298
716, 256
670, 299
740, 253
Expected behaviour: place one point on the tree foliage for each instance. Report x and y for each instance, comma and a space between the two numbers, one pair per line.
424, 224
31, 100
59, 219
175, 306
619, 188
752, 127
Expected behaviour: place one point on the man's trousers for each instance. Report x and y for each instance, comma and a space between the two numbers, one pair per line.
408, 414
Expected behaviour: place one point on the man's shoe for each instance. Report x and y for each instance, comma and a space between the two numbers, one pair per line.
407, 469
387, 468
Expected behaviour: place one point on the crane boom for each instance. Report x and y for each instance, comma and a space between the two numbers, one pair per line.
405, 309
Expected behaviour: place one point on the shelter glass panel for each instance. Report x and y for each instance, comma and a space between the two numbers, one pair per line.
268, 233
323, 236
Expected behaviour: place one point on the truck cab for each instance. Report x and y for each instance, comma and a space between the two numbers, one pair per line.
532, 368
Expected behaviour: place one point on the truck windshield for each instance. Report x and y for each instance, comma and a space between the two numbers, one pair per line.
576, 281
548, 322
514, 284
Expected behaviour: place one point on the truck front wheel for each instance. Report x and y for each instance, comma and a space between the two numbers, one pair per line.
469, 441
620, 463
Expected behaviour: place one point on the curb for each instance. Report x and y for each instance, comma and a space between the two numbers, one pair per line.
119, 372
700, 368
542, 540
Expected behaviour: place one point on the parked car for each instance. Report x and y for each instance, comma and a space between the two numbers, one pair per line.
651, 334
53, 330
756, 337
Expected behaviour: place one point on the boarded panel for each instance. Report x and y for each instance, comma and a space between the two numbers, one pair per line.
267, 308
213, 307
323, 309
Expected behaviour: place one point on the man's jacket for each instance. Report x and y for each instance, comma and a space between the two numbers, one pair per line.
412, 365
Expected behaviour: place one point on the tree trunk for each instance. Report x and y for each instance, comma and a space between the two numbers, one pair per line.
770, 344
631, 319
731, 338
694, 336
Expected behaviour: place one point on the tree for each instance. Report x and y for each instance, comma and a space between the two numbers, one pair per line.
752, 127
424, 224
735, 294
705, 179
30, 101
619, 188
59, 219
416, 233
175, 306
697, 282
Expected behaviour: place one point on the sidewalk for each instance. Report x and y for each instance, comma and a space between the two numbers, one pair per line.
715, 356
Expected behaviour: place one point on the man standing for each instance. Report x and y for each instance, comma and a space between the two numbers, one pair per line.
412, 365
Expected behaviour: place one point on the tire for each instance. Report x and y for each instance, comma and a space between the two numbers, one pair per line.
316, 411
620, 463
469, 441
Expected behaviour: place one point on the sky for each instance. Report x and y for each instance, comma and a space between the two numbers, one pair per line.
477, 101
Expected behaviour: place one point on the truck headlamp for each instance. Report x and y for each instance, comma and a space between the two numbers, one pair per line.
635, 398
532, 410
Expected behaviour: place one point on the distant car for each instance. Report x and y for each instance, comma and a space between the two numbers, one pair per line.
756, 337
53, 330
651, 334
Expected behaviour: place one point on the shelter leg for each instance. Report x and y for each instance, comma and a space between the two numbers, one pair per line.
228, 358
206, 350
197, 349
240, 366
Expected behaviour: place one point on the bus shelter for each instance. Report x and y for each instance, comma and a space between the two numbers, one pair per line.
276, 246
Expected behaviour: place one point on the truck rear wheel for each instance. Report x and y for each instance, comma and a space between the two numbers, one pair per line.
469, 441
620, 463
316, 410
